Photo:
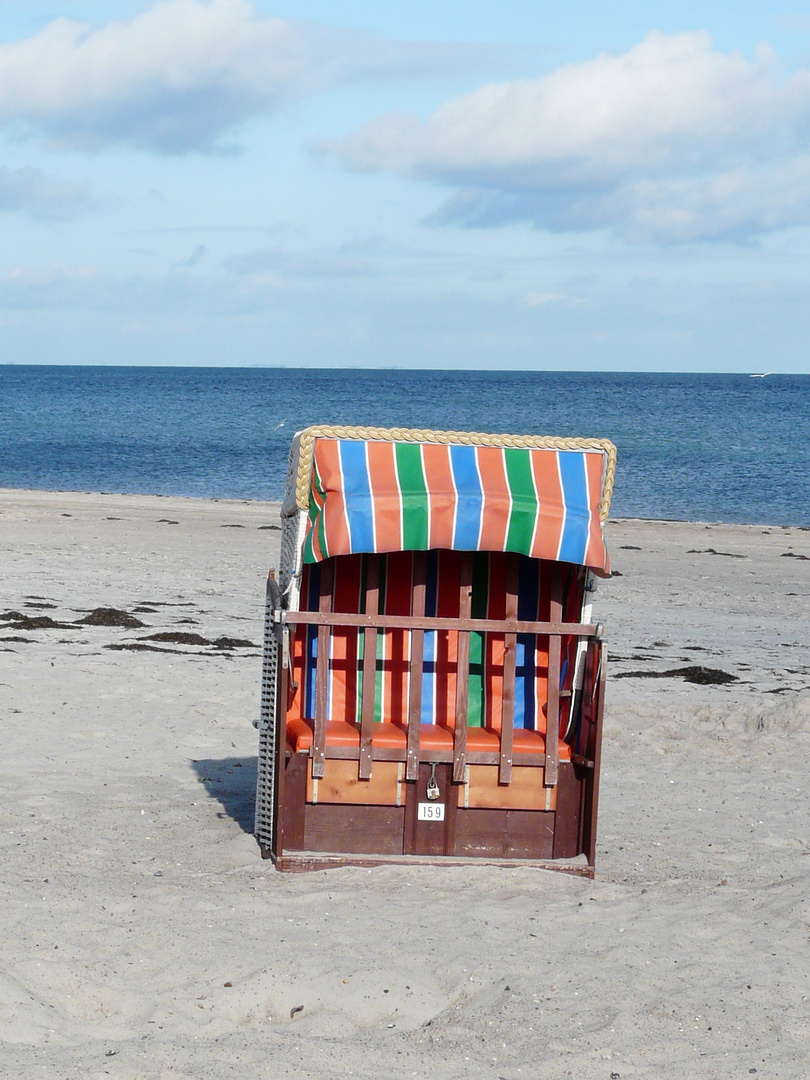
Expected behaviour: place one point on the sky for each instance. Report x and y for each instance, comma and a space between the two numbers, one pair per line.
478, 185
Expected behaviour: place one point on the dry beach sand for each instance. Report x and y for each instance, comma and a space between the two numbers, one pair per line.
142, 937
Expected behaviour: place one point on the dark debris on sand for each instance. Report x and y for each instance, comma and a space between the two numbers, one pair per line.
233, 643
110, 617
139, 646
711, 551
704, 676
18, 621
177, 637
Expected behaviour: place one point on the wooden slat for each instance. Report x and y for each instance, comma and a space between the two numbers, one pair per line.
553, 706
416, 665
369, 666
322, 672
462, 671
281, 763
592, 802
509, 666
426, 622
474, 757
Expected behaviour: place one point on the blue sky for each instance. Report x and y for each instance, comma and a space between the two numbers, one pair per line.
477, 185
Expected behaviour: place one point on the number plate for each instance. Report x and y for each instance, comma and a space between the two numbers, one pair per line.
430, 811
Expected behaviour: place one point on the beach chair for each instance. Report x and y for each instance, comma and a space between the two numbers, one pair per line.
433, 683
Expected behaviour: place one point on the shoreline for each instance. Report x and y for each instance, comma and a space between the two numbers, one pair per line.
141, 925
193, 500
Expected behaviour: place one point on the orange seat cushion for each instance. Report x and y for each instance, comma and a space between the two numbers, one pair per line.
485, 740
385, 736
431, 737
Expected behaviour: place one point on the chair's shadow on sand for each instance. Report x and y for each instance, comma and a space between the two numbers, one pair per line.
232, 782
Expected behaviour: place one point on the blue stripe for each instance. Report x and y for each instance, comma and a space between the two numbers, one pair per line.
574, 543
525, 672
470, 498
429, 654
357, 494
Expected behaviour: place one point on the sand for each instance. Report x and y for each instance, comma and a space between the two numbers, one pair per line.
142, 936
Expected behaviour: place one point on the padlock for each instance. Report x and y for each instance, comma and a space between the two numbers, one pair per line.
433, 792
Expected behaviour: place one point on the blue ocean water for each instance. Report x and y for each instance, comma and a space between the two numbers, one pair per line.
691, 447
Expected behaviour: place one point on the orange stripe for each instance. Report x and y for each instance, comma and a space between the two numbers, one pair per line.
344, 661
385, 493
317, 498
396, 642
334, 509
596, 554
548, 530
449, 574
497, 500
495, 643
541, 648
441, 494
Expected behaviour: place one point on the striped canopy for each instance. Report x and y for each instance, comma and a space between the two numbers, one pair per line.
378, 496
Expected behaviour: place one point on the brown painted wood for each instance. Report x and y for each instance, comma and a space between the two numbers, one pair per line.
567, 820
294, 808
504, 834
478, 757
431, 837
322, 670
462, 671
509, 668
306, 861
591, 806
416, 665
553, 703
369, 666
430, 622
355, 829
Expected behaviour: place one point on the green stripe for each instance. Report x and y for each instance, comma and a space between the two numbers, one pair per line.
524, 501
411, 477
315, 519
309, 551
480, 592
378, 681
321, 523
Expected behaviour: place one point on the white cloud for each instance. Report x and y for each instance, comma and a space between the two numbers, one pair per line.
33, 192
670, 141
183, 73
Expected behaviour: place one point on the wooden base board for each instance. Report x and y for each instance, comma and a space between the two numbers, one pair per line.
304, 861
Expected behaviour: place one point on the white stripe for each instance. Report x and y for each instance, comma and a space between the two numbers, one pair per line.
455, 490
562, 502
483, 500
371, 492
509, 495
343, 492
427, 493
401, 500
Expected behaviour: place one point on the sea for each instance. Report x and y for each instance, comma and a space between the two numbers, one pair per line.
726, 448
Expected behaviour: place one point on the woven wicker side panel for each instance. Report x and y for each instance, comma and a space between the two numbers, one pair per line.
302, 450
263, 825
268, 722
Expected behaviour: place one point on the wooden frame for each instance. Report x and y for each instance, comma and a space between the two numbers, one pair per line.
557, 825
